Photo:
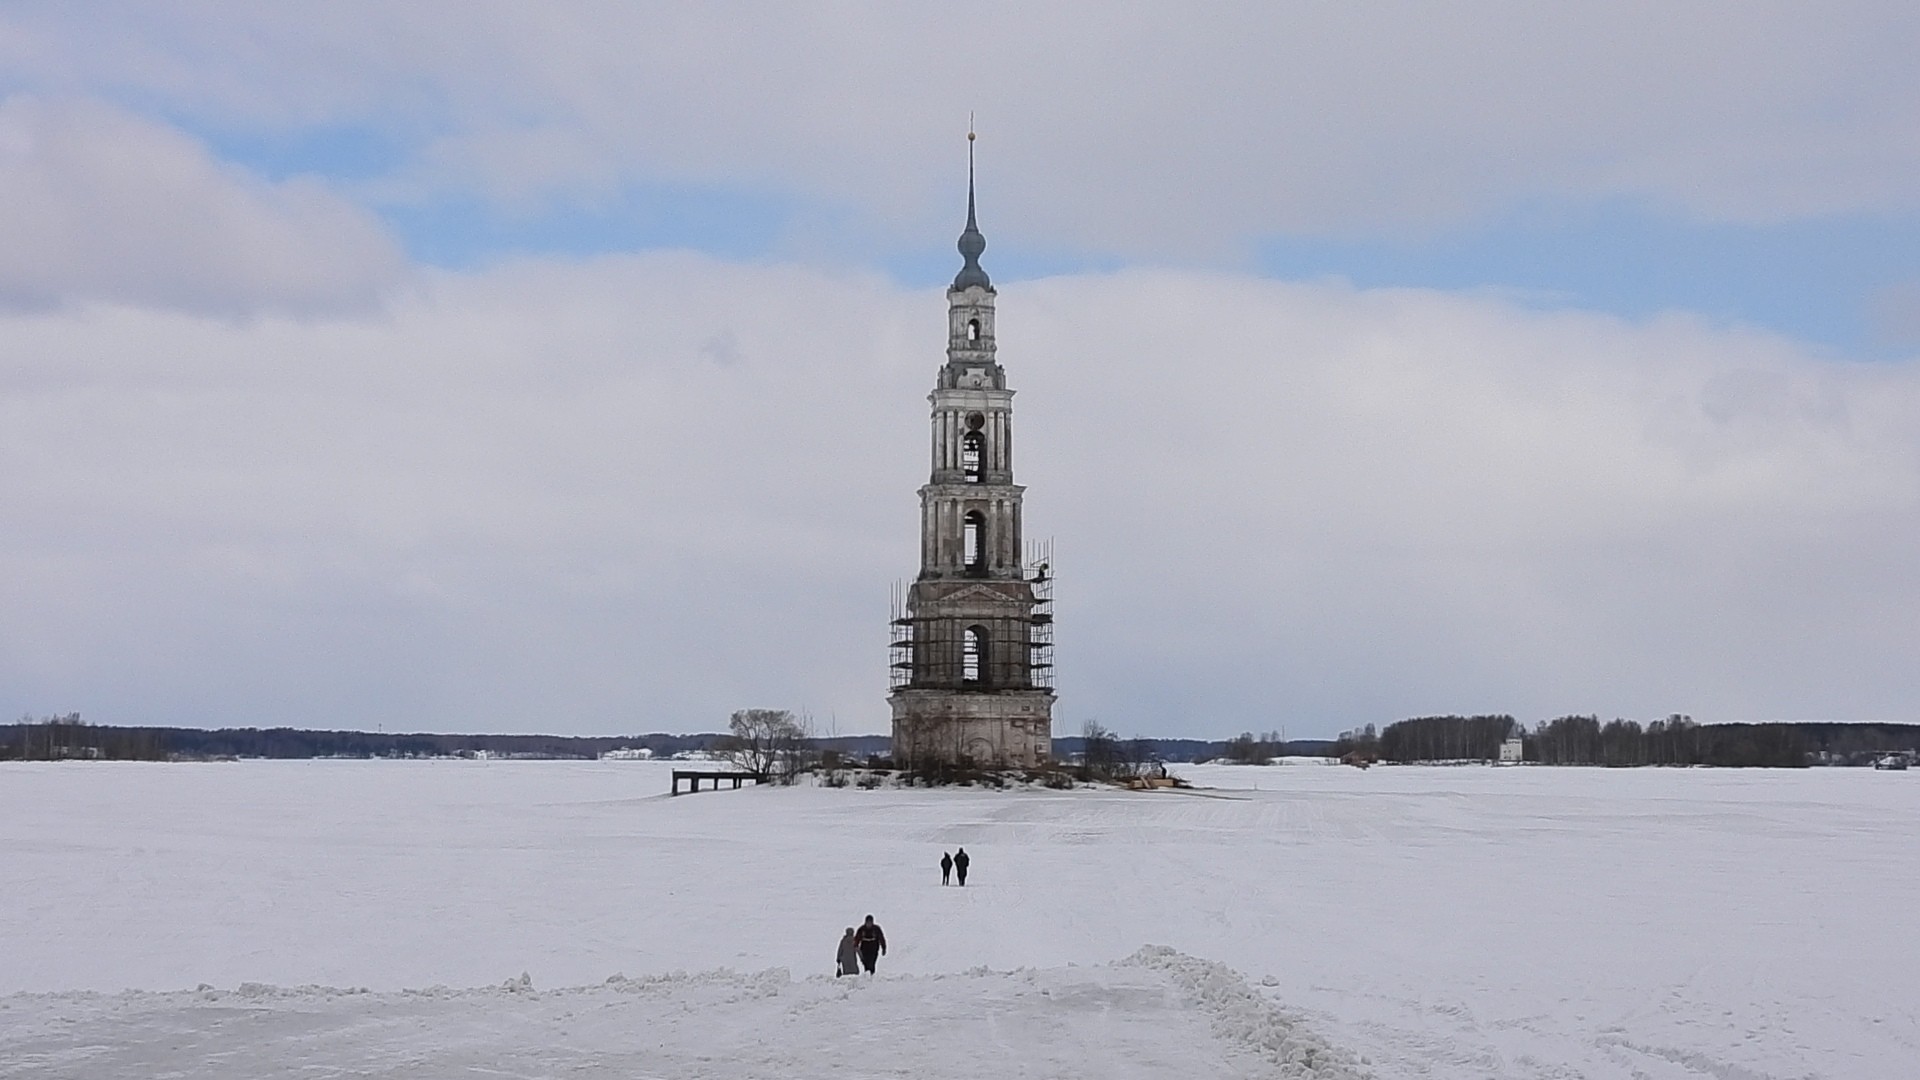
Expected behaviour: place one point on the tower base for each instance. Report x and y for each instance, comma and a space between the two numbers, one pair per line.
981, 729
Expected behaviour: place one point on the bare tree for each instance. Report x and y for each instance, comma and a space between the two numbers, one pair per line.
769, 742
1135, 758
1099, 750
1106, 756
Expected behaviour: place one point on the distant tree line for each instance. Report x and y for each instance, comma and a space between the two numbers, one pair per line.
1858, 744
67, 737
1584, 740
1567, 740
1247, 748
1244, 748
63, 738
1445, 738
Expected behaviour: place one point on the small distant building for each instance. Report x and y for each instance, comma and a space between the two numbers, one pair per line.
1513, 751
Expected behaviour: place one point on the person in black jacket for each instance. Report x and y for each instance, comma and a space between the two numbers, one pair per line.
872, 941
946, 868
960, 862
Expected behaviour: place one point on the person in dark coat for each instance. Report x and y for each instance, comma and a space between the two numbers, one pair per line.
872, 941
946, 868
848, 958
960, 862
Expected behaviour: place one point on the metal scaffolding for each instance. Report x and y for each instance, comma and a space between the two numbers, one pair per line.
926, 651
1038, 570
900, 649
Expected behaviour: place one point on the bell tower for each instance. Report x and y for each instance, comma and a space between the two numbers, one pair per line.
972, 636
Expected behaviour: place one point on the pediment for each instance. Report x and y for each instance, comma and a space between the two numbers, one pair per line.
981, 593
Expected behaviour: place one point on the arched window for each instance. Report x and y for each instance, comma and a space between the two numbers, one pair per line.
973, 655
971, 445
973, 329
973, 542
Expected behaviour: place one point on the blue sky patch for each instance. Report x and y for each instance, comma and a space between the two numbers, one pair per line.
1814, 279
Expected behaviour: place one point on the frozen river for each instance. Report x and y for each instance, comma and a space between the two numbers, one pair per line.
1457, 922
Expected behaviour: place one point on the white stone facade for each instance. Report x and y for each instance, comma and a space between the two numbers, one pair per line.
1009, 729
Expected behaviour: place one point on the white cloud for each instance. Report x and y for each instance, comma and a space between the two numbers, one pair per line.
638, 493
1151, 130
1895, 314
100, 205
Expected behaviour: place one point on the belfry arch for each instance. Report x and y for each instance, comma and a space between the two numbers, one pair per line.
974, 653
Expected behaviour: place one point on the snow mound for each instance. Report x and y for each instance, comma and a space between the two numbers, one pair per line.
1243, 1017
1159, 1013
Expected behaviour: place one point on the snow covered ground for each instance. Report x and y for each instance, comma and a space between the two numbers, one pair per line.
1157, 1014
1432, 922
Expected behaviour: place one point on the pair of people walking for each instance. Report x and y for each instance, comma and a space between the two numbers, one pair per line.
860, 948
954, 864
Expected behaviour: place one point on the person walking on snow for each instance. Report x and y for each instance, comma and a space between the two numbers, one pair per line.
946, 868
960, 862
848, 956
872, 941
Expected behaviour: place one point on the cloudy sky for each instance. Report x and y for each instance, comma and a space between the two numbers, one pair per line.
562, 367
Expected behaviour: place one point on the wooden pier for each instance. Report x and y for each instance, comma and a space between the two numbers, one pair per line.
694, 777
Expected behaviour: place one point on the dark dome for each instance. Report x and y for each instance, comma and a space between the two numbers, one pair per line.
972, 243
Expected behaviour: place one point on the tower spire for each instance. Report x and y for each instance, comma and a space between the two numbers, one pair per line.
971, 226
972, 243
